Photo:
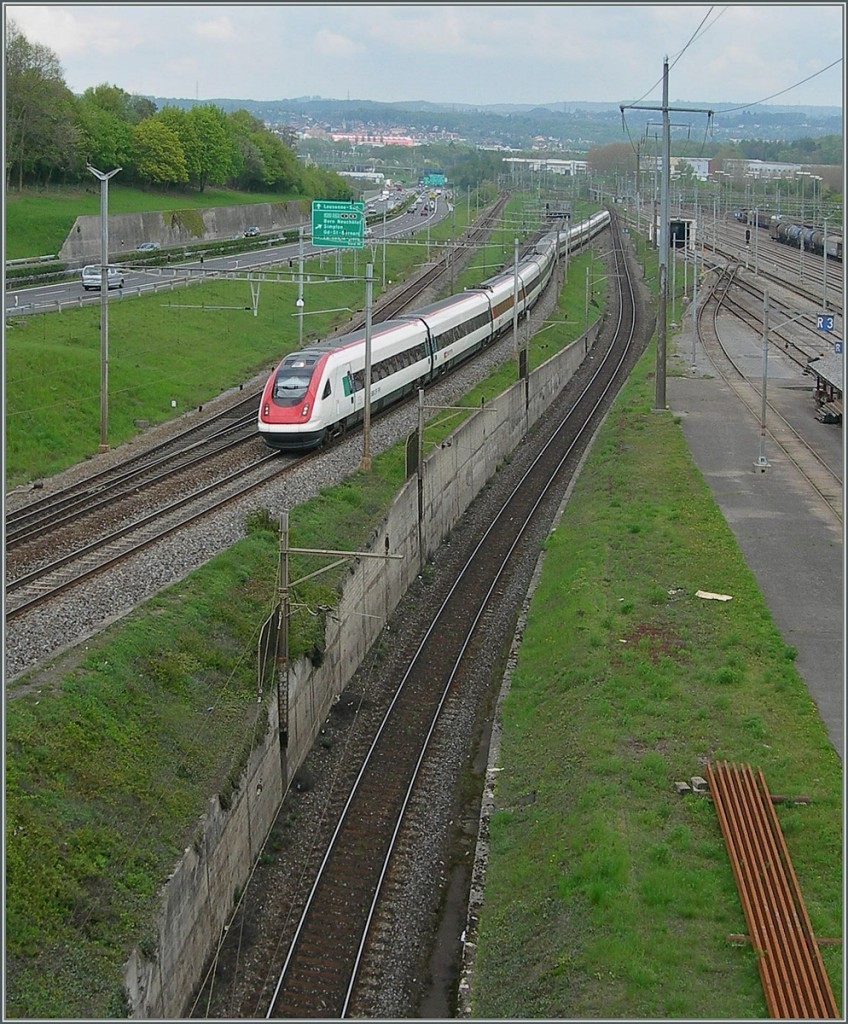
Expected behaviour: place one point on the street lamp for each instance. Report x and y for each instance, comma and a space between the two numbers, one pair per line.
365, 462
299, 303
104, 301
762, 463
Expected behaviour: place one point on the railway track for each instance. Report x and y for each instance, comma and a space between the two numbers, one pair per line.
824, 479
106, 518
50, 580
332, 958
803, 274
185, 453
799, 339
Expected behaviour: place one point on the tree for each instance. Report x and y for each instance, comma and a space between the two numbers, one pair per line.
105, 135
617, 157
123, 105
39, 109
216, 152
177, 120
685, 176
158, 153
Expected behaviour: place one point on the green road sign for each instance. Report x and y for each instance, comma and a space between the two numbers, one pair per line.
338, 224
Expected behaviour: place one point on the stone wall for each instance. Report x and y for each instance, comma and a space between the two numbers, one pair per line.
178, 227
200, 895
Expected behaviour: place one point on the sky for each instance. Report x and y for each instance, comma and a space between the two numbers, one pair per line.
449, 53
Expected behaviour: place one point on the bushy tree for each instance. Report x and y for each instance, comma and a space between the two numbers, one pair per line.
40, 135
216, 154
105, 135
49, 132
177, 120
158, 153
619, 157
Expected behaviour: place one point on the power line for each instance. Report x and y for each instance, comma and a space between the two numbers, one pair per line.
697, 33
809, 78
680, 53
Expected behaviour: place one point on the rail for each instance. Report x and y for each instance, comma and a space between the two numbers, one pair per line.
793, 975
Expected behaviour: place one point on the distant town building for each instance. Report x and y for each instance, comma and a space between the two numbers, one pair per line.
762, 168
705, 169
365, 176
567, 167
376, 139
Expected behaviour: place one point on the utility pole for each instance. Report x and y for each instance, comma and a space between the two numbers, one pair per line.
762, 463
384, 246
515, 299
662, 318
366, 431
104, 302
299, 302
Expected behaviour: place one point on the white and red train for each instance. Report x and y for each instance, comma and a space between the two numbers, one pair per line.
318, 391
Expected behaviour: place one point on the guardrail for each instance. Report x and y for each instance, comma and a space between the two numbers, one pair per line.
185, 277
30, 259
78, 301
178, 278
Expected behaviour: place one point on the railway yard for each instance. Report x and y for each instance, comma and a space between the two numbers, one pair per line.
449, 641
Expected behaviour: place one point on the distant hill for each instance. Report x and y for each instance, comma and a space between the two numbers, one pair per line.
574, 125
319, 103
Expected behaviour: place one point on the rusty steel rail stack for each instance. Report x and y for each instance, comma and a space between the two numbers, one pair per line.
793, 976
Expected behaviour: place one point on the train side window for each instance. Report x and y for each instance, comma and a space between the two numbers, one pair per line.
327, 390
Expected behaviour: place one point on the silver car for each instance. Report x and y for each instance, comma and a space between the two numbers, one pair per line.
92, 279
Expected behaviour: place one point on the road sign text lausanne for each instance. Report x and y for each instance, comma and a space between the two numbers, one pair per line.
338, 224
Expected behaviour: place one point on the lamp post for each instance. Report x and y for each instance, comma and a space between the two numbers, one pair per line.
515, 300
366, 423
299, 302
384, 248
756, 240
104, 301
762, 463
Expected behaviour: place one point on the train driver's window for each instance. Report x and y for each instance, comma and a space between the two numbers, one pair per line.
327, 390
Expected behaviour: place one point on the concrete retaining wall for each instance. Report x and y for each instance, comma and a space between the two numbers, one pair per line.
177, 227
200, 895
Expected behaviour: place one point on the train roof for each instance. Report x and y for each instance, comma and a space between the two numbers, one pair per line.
435, 307
316, 349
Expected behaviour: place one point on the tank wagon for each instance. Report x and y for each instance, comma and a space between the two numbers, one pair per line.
792, 232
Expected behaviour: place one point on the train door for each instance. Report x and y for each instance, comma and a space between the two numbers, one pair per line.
346, 396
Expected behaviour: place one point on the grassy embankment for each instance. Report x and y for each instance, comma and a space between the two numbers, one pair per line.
38, 222
112, 755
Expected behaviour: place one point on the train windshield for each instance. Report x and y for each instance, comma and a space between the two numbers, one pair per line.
293, 378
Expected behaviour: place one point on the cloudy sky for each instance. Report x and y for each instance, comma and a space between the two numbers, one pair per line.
462, 53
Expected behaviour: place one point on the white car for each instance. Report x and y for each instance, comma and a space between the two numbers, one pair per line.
91, 277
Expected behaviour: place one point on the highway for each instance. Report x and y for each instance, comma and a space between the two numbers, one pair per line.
143, 279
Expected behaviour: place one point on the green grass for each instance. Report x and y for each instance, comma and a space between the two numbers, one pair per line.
109, 767
610, 896
38, 221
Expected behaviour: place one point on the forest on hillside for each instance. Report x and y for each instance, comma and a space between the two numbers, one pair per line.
52, 135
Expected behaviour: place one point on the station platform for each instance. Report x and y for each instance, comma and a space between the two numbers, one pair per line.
790, 538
